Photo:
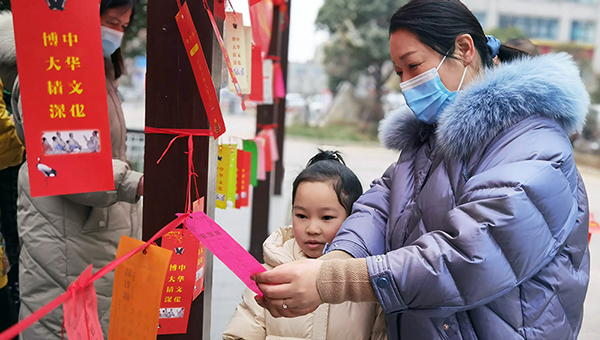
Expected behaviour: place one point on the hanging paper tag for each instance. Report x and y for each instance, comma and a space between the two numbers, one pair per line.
250, 146
243, 182
222, 176
268, 81
278, 81
256, 90
137, 290
199, 284
236, 85
235, 35
266, 142
219, 9
201, 70
179, 283
261, 18
248, 36
231, 253
81, 311
232, 183
261, 173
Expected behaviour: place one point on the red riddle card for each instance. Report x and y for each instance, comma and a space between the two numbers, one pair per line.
63, 95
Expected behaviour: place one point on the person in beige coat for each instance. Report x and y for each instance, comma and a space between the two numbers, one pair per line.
62, 235
322, 197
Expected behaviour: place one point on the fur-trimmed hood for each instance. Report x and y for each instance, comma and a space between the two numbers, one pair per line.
8, 52
547, 85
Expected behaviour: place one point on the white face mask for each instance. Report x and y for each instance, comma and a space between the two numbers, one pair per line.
111, 40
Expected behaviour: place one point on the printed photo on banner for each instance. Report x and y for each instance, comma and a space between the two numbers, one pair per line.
70, 142
171, 313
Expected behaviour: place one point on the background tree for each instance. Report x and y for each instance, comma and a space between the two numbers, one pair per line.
359, 44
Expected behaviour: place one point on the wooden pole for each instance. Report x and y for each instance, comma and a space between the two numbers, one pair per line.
173, 101
261, 198
285, 46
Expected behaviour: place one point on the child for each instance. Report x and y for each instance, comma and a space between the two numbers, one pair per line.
322, 198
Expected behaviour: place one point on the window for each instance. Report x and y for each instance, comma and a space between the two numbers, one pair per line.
540, 28
480, 17
583, 31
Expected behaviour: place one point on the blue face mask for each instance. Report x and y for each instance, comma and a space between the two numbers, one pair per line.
427, 96
111, 40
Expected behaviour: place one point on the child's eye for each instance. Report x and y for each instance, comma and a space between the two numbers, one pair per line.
328, 218
300, 216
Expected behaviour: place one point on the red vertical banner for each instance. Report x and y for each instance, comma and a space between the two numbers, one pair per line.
63, 91
179, 283
199, 285
201, 70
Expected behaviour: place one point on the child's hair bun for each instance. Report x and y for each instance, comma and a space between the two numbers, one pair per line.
326, 155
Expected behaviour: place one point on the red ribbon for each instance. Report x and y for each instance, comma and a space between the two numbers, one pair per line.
190, 133
267, 126
40, 313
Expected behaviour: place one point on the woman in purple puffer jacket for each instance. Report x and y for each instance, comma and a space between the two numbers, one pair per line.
479, 231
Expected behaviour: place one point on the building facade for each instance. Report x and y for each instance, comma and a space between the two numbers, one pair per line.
546, 22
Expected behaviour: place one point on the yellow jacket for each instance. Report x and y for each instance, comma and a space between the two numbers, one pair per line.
11, 149
4, 267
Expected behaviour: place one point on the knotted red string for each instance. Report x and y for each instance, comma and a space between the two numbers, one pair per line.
190, 133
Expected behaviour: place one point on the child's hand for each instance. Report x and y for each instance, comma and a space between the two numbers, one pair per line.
290, 289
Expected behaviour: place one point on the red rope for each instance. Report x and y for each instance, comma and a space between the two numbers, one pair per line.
40, 313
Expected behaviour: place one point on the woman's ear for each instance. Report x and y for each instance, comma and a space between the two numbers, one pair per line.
465, 49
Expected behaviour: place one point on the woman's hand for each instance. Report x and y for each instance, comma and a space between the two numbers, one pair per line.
293, 285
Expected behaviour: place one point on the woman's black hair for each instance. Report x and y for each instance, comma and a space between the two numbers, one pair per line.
329, 166
437, 23
117, 56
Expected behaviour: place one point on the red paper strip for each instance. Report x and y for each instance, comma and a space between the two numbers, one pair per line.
63, 89
81, 310
243, 183
236, 84
261, 17
179, 283
201, 70
256, 86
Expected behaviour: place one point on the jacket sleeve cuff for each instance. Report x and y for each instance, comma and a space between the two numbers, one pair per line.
345, 280
383, 284
127, 191
350, 247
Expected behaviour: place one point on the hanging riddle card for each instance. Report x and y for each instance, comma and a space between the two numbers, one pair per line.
243, 182
235, 35
268, 81
63, 92
248, 35
81, 311
256, 90
232, 182
222, 176
250, 146
231, 253
179, 283
201, 70
137, 290
199, 283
